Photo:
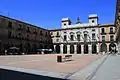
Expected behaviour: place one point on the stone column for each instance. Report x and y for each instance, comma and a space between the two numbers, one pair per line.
119, 47
82, 49
107, 47
68, 49
75, 47
61, 48
89, 49
97, 48
54, 48
116, 47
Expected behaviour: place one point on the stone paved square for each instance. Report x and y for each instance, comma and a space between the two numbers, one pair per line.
48, 62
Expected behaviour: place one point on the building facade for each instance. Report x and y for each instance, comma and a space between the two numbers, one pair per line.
83, 38
25, 36
117, 24
78, 38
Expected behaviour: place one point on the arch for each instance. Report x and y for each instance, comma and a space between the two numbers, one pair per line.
86, 49
85, 32
78, 32
71, 33
71, 49
64, 49
94, 49
103, 47
57, 48
112, 47
78, 49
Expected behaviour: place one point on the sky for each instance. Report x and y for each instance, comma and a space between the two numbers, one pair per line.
48, 13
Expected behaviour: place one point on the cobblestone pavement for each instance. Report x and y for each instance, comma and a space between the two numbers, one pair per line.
109, 70
48, 62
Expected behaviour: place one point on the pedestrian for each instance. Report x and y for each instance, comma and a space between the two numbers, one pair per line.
5, 51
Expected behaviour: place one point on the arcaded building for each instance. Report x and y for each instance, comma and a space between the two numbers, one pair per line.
22, 35
78, 38
83, 38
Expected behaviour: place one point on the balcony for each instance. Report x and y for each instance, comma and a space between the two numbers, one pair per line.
111, 32
103, 33
57, 35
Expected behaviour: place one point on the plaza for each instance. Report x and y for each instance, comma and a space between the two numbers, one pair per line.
49, 62
89, 44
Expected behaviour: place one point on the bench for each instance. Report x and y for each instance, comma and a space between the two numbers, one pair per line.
67, 57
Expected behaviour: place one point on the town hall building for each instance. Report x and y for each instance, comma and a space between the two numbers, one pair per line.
83, 38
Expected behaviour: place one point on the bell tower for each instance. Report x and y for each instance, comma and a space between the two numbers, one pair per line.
66, 22
93, 19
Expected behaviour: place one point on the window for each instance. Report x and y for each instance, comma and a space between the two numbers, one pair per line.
111, 30
103, 38
111, 38
65, 37
9, 24
9, 34
57, 33
85, 37
41, 33
71, 37
103, 30
46, 34
78, 37
93, 36
27, 37
65, 32
28, 29
19, 34
20, 27
57, 40
64, 24
35, 37
93, 29
93, 21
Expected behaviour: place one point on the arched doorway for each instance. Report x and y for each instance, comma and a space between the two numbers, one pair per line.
78, 49
34, 47
103, 47
21, 47
86, 49
71, 49
57, 48
52, 47
94, 49
45, 47
28, 47
112, 47
64, 49
40, 46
